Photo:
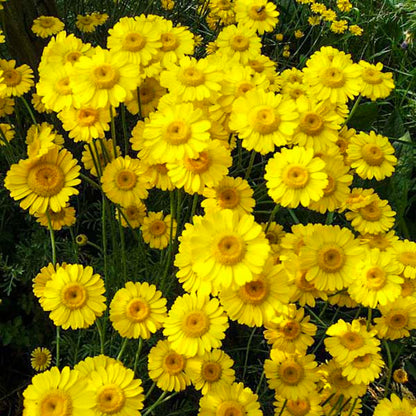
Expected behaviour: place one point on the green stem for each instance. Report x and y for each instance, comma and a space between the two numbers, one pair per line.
283, 408
90, 181
353, 406
353, 110
122, 348
293, 215
250, 164
104, 234
194, 204
94, 245
136, 358
337, 403
58, 342
159, 401
271, 218
101, 334
32, 116
369, 316
123, 247
390, 368
248, 350
260, 382
170, 247
330, 217
125, 135
52, 237
113, 130
150, 390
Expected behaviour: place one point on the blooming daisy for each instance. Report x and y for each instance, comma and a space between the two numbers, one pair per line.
90, 364
364, 368
6, 106
65, 217
45, 26
308, 406
86, 23
157, 229
7, 133
132, 216
376, 84
44, 182
40, 139
405, 254
137, 310
260, 15
18, 80
394, 406
274, 233
74, 296
40, 359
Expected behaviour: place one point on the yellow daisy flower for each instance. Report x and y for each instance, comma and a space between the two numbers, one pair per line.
308, 406
90, 364
40, 359
40, 140
6, 106
18, 80
40, 280
132, 216
395, 406
274, 234
45, 26
158, 177
195, 324
382, 241
157, 229
400, 376
364, 369
63, 218
405, 254
376, 84
86, 23
260, 15
6, 133
137, 310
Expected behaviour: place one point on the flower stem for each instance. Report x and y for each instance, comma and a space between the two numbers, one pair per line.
271, 218
250, 164
353, 110
248, 350
283, 407
122, 348
390, 368
58, 342
293, 215
101, 334
32, 116
136, 358
52, 237
353, 406
123, 247
194, 204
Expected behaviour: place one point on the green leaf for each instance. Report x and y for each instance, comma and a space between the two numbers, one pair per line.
394, 125
364, 116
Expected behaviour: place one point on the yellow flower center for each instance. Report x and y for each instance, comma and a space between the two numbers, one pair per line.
372, 76
147, 94
134, 42
72, 56
178, 132
372, 154
137, 310
408, 288
295, 176
57, 216
211, 371
157, 228
40, 358
12, 77
291, 329
87, 116
230, 250
230, 408
351, 340
254, 292
408, 258
46, 22
362, 361
133, 212
56, 403
192, 77
330, 188
371, 212
240, 43
46, 179
228, 198
110, 399
62, 86
376, 278
291, 373
264, 120
298, 407
256, 65
105, 76
74, 296
311, 124
379, 241
333, 78
272, 237
169, 42
257, 12
199, 164
161, 168
331, 258
296, 93
302, 283
243, 88
173, 363
400, 376
397, 319
125, 179
338, 380
195, 324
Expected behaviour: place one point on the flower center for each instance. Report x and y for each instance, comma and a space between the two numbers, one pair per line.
46, 179
161, 168
192, 77
333, 78
46, 22
169, 42
110, 399
105, 76
228, 198
137, 310
257, 12
339, 380
408, 288
302, 283
134, 42
73, 56
147, 94
126, 179
331, 258
56, 216
295, 176
133, 212
408, 258
298, 407
199, 164
195, 324
87, 116
239, 43
62, 86
56, 403
291, 330
371, 76
158, 228
211, 371
272, 237
371, 212
397, 319
256, 65
74, 296
254, 292
178, 132
291, 373
41, 359
351, 340
173, 363
362, 361
372, 154
265, 120
311, 124
376, 278
230, 250
243, 88
330, 188
12, 77
296, 93
230, 408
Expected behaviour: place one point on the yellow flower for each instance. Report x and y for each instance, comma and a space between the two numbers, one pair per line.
86, 23
314, 20
339, 26
63, 218
405, 254
344, 5
211, 372
382, 241
167, 367
40, 359
137, 310
18, 80
74, 296
44, 182
299, 34
308, 406
395, 406
40, 139
123, 181
40, 280
376, 84
294, 176
364, 369
45, 26
6, 133
232, 399
6, 106
132, 216
157, 229
400, 376
90, 364
356, 30
260, 15
195, 324
167, 4
100, 18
